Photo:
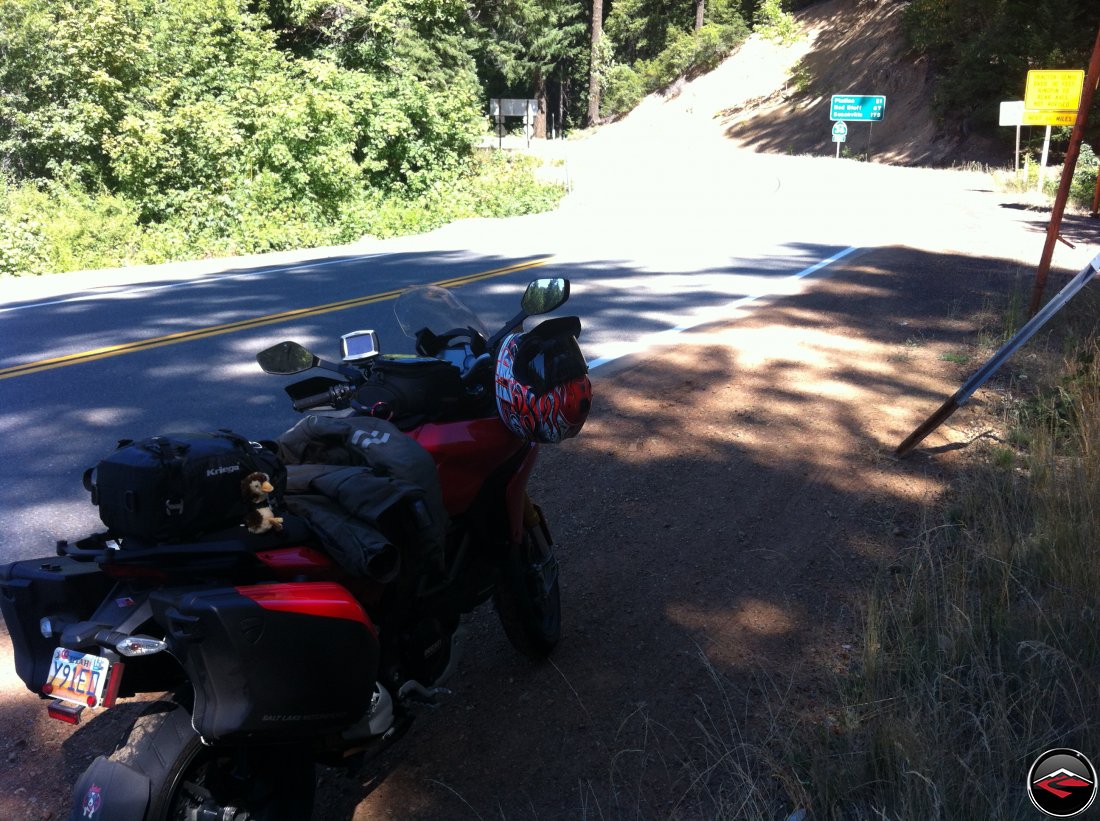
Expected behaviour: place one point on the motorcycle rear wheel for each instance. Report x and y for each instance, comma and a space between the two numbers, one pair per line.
188, 777
527, 598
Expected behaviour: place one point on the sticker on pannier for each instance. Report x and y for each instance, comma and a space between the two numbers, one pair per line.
180, 486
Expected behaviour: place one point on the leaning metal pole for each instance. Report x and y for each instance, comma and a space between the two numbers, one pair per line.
963, 394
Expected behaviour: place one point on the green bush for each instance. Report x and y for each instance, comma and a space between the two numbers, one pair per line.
54, 227
689, 53
715, 42
20, 232
495, 185
624, 89
773, 23
61, 227
1083, 188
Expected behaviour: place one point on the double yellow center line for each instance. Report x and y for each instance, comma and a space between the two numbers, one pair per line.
245, 324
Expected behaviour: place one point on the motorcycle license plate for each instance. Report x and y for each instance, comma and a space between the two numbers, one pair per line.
77, 677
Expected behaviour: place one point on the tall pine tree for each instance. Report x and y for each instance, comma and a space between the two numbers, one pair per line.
529, 41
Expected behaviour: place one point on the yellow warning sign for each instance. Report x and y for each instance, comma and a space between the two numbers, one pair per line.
1053, 91
1049, 118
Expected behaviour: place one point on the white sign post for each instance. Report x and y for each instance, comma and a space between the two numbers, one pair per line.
1043, 161
1012, 113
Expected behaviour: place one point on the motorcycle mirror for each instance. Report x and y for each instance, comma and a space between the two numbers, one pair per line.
541, 297
544, 295
287, 358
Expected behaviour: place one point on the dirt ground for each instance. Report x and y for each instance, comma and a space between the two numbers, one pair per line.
719, 521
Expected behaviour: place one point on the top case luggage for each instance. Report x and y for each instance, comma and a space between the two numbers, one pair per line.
179, 486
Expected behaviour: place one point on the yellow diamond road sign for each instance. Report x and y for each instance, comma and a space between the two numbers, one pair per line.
1053, 90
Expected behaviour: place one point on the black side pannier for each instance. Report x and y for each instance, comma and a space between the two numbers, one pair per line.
179, 486
34, 588
271, 661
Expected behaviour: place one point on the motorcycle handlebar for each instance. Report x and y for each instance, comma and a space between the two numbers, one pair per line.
332, 396
314, 401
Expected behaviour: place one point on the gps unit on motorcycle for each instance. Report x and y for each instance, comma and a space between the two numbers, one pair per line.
359, 346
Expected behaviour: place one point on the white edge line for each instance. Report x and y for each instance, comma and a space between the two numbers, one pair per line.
648, 340
110, 292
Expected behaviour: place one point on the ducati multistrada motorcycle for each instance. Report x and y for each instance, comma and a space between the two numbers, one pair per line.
270, 654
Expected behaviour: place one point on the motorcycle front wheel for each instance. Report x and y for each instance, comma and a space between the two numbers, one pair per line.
192, 780
527, 597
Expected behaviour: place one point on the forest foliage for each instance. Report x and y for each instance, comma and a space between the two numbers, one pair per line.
149, 130
983, 49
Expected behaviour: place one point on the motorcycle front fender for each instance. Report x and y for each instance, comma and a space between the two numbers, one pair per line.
111, 791
515, 495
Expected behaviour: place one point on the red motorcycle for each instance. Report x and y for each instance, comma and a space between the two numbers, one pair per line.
314, 632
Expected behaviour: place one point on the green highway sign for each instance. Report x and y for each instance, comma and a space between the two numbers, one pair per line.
866, 107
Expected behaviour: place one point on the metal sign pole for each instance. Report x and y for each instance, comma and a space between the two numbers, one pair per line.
1017, 152
1043, 161
963, 394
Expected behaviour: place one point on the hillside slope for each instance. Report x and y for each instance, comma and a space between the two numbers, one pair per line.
774, 98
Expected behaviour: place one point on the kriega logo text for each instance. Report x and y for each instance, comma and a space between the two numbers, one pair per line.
222, 471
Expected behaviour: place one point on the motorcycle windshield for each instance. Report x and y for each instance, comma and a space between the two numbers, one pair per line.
434, 308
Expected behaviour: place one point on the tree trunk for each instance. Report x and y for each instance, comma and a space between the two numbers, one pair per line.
700, 7
561, 101
540, 116
593, 77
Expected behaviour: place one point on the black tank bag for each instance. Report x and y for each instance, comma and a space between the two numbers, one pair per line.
410, 391
179, 486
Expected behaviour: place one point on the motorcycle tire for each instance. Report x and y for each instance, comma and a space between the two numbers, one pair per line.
189, 779
529, 607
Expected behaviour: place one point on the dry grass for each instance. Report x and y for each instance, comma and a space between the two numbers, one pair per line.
985, 651
981, 646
